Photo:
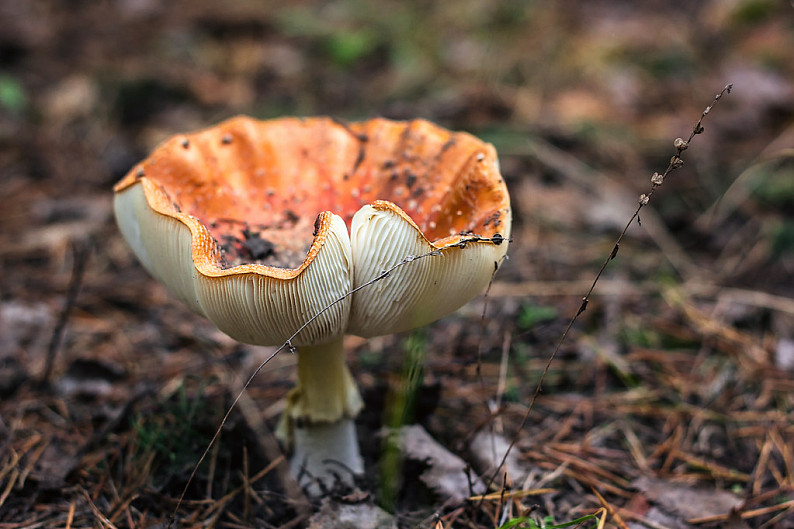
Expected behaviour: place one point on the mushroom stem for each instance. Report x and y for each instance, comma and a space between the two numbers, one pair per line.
318, 422
326, 455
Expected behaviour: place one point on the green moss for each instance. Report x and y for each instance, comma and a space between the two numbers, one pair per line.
776, 188
783, 239
347, 47
660, 63
171, 434
527, 522
531, 315
754, 11
12, 94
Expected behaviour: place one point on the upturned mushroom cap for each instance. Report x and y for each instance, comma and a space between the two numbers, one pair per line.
261, 225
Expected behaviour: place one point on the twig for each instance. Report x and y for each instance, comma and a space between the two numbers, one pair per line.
100, 517
479, 343
787, 505
70, 515
80, 252
516, 494
612, 512
656, 181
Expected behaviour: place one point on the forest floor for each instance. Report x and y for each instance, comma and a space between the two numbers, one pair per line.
671, 401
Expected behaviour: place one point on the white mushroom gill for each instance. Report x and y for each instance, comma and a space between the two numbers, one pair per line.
426, 290
160, 242
281, 306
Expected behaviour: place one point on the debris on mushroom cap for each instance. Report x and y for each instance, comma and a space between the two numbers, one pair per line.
259, 225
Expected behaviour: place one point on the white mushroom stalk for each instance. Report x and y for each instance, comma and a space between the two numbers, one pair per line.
264, 226
318, 421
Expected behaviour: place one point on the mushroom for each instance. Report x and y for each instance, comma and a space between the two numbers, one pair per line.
261, 226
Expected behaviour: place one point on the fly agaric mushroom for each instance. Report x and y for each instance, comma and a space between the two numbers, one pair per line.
262, 225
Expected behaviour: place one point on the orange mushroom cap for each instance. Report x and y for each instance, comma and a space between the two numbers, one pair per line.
261, 225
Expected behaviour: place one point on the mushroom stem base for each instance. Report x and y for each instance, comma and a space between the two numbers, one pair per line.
326, 455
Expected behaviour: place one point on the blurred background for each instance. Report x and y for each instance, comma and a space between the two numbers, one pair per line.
680, 370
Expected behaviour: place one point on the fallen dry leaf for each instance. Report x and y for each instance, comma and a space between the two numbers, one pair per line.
487, 451
685, 501
446, 472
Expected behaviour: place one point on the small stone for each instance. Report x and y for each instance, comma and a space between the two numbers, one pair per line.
784, 354
338, 515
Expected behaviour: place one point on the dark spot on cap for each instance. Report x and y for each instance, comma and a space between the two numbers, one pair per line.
359, 158
226, 139
185, 143
290, 217
258, 248
254, 246
316, 226
493, 219
497, 239
449, 143
410, 178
